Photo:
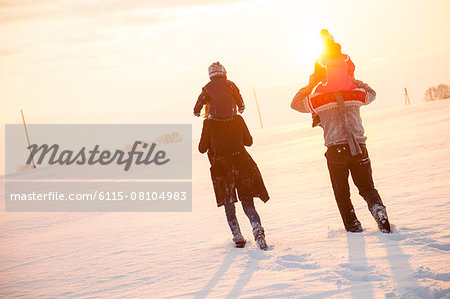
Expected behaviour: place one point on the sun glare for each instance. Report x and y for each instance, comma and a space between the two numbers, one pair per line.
308, 47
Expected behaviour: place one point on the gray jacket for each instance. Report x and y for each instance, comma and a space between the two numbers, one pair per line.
333, 127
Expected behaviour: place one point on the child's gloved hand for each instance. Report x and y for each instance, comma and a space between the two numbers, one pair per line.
197, 114
241, 110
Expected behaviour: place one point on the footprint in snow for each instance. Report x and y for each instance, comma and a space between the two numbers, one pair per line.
356, 267
293, 261
354, 272
425, 272
442, 247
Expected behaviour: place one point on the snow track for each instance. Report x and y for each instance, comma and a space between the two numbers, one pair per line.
191, 255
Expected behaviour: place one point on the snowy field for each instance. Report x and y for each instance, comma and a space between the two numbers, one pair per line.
191, 255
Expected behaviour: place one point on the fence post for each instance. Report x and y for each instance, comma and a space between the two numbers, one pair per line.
28, 139
257, 106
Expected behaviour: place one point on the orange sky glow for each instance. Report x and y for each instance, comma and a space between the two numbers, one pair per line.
146, 61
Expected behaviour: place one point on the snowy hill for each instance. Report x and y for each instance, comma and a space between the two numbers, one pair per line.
191, 254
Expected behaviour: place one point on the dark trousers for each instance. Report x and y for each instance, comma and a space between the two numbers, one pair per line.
249, 210
340, 163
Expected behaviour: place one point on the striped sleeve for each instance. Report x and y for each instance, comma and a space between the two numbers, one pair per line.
300, 102
370, 93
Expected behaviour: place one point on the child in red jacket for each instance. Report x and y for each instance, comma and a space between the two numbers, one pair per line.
333, 71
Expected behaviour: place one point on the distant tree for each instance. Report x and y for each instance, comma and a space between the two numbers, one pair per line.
429, 94
440, 92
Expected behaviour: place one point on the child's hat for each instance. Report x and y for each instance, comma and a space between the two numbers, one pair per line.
326, 36
216, 69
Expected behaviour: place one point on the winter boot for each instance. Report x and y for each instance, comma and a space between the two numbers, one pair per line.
380, 216
258, 233
355, 227
239, 241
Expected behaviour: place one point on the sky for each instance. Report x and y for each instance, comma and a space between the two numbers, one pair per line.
86, 61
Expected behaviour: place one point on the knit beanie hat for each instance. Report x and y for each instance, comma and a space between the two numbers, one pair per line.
331, 48
326, 36
216, 69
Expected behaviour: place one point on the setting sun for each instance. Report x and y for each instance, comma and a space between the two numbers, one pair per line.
224, 149
309, 47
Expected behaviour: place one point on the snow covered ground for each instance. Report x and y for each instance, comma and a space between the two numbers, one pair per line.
191, 254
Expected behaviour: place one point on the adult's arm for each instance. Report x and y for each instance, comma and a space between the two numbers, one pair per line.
247, 137
205, 139
299, 102
370, 93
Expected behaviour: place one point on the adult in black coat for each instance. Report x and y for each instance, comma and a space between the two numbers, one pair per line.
233, 170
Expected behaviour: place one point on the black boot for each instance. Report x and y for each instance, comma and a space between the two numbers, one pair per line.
380, 216
258, 233
355, 227
239, 241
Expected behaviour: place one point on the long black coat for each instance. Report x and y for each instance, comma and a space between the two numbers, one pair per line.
232, 167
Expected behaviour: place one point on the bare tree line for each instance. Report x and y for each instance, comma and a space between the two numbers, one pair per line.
440, 92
